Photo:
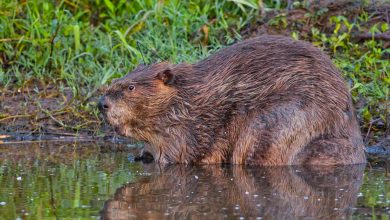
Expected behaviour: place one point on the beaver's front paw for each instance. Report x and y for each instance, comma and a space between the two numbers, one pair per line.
145, 157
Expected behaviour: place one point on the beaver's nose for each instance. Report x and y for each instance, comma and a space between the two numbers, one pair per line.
103, 104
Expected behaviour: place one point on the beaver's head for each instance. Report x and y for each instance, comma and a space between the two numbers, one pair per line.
134, 103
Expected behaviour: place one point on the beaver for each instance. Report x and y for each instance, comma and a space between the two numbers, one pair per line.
269, 100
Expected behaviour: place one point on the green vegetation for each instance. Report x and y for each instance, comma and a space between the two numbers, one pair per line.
80, 45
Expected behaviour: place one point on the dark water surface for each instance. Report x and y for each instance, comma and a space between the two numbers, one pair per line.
61, 181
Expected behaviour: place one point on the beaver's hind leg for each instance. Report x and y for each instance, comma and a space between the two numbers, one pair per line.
335, 151
289, 134
293, 133
273, 136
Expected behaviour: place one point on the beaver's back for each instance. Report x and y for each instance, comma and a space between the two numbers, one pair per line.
271, 69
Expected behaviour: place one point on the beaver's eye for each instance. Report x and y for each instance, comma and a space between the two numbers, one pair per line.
131, 87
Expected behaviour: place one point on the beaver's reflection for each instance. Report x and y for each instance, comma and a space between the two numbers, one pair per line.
214, 192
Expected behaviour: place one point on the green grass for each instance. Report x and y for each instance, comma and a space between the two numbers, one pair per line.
60, 44
80, 45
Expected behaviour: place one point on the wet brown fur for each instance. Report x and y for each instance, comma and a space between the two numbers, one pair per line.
269, 100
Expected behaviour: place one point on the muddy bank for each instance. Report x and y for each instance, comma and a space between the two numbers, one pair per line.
56, 151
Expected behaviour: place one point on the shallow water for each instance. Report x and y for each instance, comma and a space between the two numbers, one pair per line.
57, 180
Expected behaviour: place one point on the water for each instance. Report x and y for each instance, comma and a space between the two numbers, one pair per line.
56, 181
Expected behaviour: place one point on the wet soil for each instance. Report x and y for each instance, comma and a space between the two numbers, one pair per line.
46, 109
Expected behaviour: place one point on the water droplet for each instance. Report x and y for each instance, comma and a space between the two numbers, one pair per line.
247, 192
196, 177
18, 178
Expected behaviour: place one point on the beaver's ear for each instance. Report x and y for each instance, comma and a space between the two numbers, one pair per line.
166, 76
